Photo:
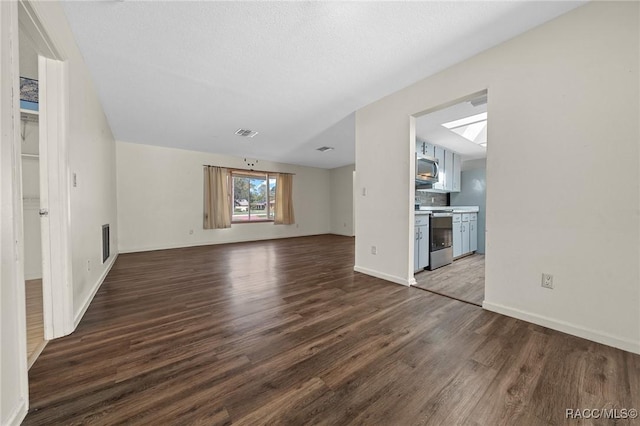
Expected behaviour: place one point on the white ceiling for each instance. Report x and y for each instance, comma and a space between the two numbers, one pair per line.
189, 74
429, 128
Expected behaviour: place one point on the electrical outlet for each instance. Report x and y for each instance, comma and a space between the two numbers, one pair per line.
364, 191
547, 281
88, 265
75, 180
374, 250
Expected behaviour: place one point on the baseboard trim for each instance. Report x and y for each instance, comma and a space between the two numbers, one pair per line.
382, 275
565, 327
89, 299
18, 414
207, 243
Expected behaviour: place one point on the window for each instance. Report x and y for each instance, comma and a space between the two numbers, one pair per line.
473, 128
254, 197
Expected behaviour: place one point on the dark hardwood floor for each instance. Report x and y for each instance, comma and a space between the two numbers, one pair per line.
284, 332
462, 280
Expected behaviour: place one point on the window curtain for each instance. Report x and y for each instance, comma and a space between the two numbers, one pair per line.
284, 199
217, 207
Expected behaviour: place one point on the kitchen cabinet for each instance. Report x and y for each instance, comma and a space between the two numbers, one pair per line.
465, 233
473, 232
425, 149
421, 243
449, 163
440, 155
456, 174
448, 171
457, 235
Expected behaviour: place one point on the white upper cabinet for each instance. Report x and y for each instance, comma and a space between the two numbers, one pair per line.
456, 175
441, 163
448, 171
425, 149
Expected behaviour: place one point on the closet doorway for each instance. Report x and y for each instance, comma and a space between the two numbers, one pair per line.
30, 162
44, 184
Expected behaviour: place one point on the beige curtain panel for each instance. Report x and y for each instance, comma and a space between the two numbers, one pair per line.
217, 207
284, 200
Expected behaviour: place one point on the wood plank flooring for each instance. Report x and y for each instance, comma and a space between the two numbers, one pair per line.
285, 332
462, 280
35, 322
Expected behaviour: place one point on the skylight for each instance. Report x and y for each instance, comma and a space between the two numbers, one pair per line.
472, 128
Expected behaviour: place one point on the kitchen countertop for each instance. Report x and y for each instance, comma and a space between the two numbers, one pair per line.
453, 209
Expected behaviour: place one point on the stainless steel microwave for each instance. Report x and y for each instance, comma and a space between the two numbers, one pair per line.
427, 170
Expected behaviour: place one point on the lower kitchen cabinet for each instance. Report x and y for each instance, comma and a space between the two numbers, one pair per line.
457, 235
421, 243
465, 233
473, 231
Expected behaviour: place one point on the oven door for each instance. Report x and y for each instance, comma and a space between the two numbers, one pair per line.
441, 235
441, 240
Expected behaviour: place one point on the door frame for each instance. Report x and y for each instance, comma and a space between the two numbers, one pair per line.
54, 176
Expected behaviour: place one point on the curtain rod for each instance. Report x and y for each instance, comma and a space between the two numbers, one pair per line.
233, 169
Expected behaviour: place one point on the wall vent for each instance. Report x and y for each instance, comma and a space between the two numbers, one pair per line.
106, 246
246, 133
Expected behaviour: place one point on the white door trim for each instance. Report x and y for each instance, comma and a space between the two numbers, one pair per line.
12, 293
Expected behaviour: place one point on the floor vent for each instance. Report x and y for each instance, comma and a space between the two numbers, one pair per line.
106, 247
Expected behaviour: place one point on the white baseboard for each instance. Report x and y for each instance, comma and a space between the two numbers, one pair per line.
383, 276
18, 414
125, 250
87, 301
565, 327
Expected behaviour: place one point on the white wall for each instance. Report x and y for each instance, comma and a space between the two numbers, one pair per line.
92, 157
91, 152
342, 200
563, 102
160, 199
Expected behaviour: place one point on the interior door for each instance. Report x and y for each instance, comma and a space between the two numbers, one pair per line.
54, 200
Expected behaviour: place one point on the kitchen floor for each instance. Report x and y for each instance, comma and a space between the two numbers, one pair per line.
462, 280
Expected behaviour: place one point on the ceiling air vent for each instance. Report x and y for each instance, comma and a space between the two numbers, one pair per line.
482, 100
246, 133
325, 149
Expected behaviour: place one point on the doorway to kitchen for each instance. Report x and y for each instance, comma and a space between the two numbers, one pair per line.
450, 206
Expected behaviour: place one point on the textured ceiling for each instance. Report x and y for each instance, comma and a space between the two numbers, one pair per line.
189, 74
